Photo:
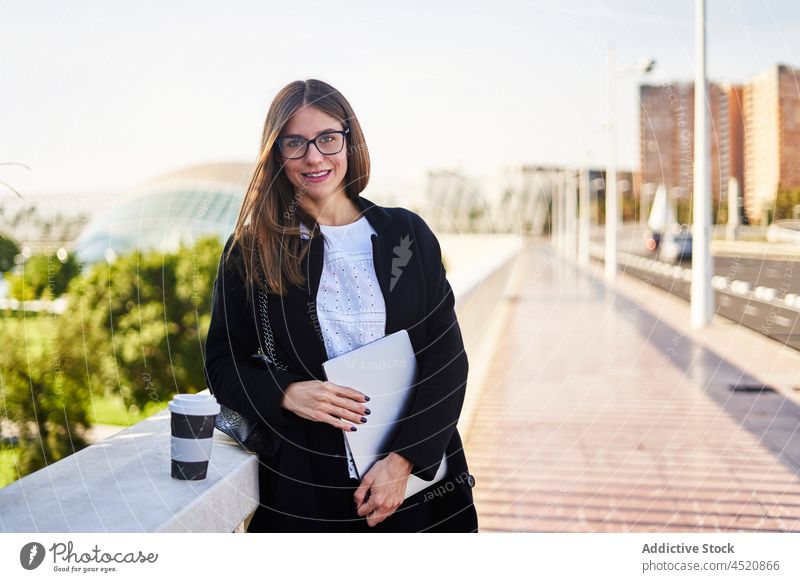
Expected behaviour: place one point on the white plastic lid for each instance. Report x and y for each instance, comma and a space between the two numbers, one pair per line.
194, 404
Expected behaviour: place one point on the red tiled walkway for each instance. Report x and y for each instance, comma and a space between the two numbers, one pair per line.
599, 416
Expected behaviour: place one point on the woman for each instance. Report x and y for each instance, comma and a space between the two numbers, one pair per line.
337, 272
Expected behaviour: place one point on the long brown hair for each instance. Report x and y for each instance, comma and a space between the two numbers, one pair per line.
268, 227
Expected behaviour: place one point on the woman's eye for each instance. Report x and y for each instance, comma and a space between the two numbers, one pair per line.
326, 138
295, 143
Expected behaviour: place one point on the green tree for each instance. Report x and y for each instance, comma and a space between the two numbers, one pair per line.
8, 250
785, 201
143, 320
720, 212
41, 397
134, 328
683, 210
630, 208
43, 276
598, 205
476, 214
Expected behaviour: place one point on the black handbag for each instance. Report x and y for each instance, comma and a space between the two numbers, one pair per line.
253, 436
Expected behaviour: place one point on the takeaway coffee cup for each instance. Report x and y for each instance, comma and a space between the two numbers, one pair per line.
193, 417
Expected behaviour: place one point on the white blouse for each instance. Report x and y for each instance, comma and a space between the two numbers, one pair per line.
350, 305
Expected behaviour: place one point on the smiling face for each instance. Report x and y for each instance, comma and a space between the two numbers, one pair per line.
309, 122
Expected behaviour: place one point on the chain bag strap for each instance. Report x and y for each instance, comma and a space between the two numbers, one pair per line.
251, 435
270, 357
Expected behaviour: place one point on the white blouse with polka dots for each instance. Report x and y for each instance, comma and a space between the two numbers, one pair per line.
350, 305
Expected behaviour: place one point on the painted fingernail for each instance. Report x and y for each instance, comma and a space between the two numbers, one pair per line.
367, 411
366, 398
354, 429
363, 419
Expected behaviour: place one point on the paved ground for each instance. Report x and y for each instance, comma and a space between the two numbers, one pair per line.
603, 411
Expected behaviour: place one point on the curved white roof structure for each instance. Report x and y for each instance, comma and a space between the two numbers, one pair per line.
177, 206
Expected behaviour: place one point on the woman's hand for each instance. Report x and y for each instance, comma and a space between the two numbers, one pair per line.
326, 402
385, 483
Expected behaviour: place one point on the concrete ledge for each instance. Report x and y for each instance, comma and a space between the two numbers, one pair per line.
479, 290
123, 484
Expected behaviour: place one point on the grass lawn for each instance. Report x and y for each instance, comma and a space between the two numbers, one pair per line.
111, 410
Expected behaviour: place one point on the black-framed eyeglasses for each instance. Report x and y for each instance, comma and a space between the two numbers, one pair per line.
327, 143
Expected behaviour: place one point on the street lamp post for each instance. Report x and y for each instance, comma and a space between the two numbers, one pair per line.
612, 220
571, 213
584, 209
612, 198
555, 214
702, 297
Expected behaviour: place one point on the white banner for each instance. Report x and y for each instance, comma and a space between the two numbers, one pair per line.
489, 556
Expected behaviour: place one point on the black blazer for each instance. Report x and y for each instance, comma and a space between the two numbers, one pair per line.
305, 464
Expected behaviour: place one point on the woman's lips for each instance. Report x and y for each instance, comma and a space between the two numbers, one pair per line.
315, 179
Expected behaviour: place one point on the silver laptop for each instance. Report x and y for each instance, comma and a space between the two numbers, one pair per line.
386, 371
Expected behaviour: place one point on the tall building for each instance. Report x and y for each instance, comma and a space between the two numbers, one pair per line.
736, 122
666, 133
772, 138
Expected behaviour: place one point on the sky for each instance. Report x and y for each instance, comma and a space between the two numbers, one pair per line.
99, 96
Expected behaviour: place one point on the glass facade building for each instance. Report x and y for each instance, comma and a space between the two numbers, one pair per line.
178, 206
